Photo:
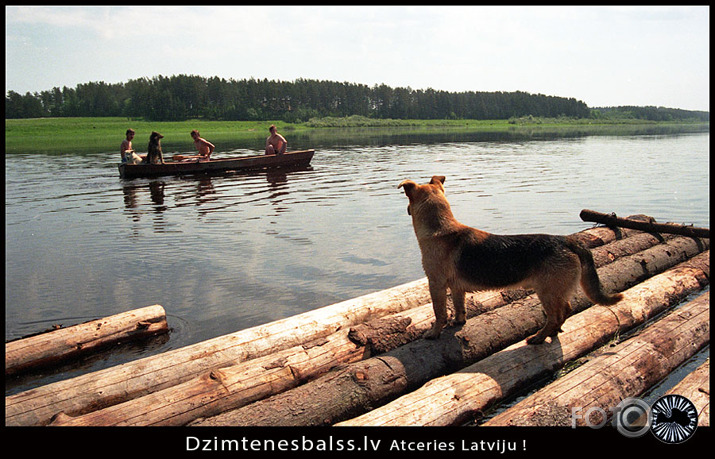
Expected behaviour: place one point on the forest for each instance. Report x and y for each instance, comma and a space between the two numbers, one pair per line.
184, 97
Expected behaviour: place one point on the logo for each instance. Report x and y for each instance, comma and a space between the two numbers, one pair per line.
632, 417
674, 419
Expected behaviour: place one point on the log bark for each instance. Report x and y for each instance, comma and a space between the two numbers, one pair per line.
225, 388
602, 235
63, 344
462, 396
651, 226
626, 370
364, 385
114, 385
696, 388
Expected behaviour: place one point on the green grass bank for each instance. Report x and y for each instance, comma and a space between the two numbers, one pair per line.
92, 135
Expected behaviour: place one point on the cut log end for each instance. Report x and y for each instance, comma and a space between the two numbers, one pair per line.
381, 335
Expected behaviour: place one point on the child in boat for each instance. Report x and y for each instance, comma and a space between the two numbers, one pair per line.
204, 146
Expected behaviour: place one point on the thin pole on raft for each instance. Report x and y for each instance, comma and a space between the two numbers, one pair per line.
649, 224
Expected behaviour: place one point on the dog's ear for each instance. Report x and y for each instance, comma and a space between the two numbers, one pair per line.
438, 178
408, 185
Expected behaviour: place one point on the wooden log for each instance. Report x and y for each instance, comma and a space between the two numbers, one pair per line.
134, 379
63, 344
602, 235
696, 388
244, 383
225, 388
461, 396
651, 226
382, 335
626, 370
634, 269
363, 385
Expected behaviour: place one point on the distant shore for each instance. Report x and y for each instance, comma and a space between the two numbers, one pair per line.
86, 135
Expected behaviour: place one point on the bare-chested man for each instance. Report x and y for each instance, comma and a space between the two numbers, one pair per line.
276, 144
204, 146
127, 151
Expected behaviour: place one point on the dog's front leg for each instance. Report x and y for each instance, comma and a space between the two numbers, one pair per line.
438, 292
460, 311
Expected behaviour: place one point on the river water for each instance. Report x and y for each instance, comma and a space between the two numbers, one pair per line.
228, 252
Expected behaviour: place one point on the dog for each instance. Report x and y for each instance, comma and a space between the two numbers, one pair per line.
466, 259
154, 153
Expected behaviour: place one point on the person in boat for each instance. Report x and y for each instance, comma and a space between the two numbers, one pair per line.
154, 155
129, 156
276, 144
204, 146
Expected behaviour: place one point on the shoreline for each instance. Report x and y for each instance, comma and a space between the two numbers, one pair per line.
95, 135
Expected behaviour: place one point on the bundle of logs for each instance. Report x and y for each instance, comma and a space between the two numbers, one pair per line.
363, 362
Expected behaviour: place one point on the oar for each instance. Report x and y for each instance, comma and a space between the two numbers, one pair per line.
183, 157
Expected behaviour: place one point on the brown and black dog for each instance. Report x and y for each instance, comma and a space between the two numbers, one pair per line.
466, 259
154, 155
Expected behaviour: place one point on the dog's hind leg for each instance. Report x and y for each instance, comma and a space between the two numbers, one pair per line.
557, 310
439, 304
565, 313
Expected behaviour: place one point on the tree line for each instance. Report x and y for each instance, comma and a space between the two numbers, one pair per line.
649, 113
183, 97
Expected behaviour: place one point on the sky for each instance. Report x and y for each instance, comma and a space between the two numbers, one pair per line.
601, 55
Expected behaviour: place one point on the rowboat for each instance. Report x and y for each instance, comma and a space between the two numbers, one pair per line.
299, 158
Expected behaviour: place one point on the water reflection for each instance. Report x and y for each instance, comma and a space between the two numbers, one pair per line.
204, 192
134, 209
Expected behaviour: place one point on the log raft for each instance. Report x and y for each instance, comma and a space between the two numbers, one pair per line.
366, 384
336, 364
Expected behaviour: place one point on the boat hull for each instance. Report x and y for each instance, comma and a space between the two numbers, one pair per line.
300, 158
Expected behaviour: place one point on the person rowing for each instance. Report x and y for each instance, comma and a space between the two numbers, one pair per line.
276, 144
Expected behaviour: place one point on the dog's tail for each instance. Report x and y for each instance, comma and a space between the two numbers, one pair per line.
590, 282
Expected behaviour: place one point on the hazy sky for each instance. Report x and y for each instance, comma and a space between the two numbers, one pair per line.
604, 56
